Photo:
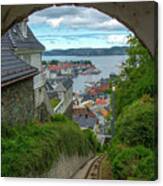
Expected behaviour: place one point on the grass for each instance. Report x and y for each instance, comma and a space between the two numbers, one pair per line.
54, 102
106, 169
30, 151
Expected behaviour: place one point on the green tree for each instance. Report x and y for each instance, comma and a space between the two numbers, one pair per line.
135, 163
137, 76
133, 147
135, 125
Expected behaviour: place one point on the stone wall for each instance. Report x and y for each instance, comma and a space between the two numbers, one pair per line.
66, 166
39, 94
17, 103
41, 113
69, 110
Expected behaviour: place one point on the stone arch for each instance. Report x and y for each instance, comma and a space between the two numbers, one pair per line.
139, 17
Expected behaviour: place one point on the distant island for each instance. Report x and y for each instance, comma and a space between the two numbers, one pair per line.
87, 52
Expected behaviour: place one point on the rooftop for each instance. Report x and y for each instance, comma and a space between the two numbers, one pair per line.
17, 40
14, 69
82, 111
61, 85
85, 122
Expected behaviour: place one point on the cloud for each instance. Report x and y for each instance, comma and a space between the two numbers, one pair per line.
120, 39
113, 24
34, 19
75, 27
59, 11
55, 22
73, 17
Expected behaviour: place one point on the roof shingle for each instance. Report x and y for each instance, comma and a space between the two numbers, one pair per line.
13, 68
18, 41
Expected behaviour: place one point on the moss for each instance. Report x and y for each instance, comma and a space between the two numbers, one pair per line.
30, 150
54, 102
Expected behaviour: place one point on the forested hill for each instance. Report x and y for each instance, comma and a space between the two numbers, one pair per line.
87, 52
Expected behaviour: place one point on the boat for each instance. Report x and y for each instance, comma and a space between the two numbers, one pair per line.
91, 71
96, 71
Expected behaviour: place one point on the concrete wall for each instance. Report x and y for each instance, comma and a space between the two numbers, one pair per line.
25, 57
33, 59
36, 60
41, 113
51, 75
68, 97
39, 94
66, 101
66, 166
39, 80
17, 103
42, 104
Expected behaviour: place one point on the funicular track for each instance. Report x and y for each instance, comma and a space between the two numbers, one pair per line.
94, 169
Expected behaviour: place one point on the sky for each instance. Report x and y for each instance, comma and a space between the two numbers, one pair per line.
77, 27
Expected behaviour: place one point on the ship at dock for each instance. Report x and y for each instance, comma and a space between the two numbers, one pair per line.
91, 71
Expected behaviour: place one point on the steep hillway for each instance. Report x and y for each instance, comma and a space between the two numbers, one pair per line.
91, 170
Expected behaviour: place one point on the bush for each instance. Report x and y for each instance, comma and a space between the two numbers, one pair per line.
114, 150
29, 151
58, 117
135, 94
135, 125
137, 76
135, 163
90, 135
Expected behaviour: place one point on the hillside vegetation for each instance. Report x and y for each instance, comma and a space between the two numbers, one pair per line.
133, 149
32, 149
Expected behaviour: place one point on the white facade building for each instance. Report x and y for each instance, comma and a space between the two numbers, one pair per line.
64, 92
29, 49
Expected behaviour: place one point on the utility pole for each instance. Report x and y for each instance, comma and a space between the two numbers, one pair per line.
113, 111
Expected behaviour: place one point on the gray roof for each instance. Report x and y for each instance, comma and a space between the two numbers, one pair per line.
16, 39
48, 86
85, 122
6, 41
60, 88
67, 82
13, 69
52, 95
63, 84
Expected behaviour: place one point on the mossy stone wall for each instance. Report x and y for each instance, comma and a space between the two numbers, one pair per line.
17, 102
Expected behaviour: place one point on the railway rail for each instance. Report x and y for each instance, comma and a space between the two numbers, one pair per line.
94, 169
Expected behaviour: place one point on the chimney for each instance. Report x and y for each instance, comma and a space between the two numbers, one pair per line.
23, 27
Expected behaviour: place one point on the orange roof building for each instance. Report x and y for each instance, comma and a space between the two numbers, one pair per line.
101, 101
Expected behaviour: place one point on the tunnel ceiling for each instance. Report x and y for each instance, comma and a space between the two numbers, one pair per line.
139, 17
